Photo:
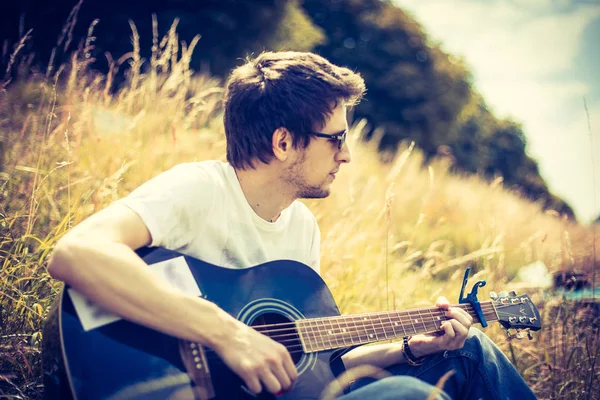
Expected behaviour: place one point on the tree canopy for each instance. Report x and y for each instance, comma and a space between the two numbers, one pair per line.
415, 91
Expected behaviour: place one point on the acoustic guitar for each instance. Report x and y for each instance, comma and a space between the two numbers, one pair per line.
285, 300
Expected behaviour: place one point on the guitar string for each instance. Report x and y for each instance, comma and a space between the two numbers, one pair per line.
356, 329
373, 317
486, 308
297, 347
339, 333
340, 339
294, 345
364, 324
391, 322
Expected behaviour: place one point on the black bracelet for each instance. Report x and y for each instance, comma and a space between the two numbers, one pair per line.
408, 354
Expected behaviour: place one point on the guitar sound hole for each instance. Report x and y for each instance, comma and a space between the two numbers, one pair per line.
282, 330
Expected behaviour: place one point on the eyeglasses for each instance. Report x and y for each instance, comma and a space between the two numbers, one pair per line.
340, 138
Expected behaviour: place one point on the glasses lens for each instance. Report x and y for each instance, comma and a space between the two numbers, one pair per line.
341, 140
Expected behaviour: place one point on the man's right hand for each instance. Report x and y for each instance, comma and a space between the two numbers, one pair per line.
261, 362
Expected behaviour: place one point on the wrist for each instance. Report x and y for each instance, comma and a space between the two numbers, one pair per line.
211, 325
409, 356
419, 346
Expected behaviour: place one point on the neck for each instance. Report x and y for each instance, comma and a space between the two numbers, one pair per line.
318, 334
264, 191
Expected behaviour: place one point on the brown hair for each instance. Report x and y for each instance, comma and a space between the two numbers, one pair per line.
289, 90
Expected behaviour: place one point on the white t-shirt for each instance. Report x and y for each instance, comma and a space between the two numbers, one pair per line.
199, 209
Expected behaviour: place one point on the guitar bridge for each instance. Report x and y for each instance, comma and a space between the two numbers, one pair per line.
196, 365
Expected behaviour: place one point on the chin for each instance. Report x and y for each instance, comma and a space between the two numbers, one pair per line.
314, 193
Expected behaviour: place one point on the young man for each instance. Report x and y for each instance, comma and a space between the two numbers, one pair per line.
285, 122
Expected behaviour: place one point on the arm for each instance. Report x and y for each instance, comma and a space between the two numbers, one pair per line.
455, 331
97, 259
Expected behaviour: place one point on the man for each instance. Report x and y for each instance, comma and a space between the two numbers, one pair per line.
285, 123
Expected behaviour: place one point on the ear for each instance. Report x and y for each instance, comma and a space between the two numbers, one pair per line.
282, 143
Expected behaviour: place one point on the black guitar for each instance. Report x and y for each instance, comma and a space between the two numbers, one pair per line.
286, 300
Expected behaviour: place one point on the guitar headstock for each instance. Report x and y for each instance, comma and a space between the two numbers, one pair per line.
516, 312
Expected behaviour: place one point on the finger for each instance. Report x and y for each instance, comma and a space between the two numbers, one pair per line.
460, 315
290, 369
270, 382
448, 329
463, 312
442, 302
282, 376
460, 331
253, 384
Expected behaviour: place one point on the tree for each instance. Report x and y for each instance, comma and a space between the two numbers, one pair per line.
414, 90
229, 29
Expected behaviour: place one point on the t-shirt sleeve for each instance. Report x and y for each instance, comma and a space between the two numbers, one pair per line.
172, 203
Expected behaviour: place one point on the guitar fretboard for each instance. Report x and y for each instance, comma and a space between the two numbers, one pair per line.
318, 334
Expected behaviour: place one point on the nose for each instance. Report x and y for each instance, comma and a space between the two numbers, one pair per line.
343, 155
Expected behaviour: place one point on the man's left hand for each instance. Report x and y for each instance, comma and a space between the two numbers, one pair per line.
452, 337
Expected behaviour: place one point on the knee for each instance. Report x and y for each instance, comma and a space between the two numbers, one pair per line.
478, 344
406, 387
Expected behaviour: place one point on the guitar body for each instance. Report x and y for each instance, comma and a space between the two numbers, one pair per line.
125, 360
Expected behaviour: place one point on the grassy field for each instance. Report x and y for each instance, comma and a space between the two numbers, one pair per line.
394, 235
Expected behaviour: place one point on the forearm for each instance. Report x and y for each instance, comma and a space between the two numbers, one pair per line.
114, 277
387, 354
378, 355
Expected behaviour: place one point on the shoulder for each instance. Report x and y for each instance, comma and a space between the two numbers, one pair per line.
191, 175
186, 182
301, 213
210, 169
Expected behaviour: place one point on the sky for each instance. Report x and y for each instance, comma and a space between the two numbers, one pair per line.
534, 61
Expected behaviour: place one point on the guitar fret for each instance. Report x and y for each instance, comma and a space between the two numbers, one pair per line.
331, 333
411, 322
374, 329
345, 319
322, 329
422, 321
310, 332
434, 326
328, 332
392, 325
362, 328
383, 326
358, 330
317, 333
342, 331
301, 335
399, 321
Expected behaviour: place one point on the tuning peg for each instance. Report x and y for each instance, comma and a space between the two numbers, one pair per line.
512, 293
510, 336
529, 335
517, 335
493, 295
503, 294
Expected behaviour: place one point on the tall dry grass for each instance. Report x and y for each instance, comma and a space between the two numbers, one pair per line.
394, 235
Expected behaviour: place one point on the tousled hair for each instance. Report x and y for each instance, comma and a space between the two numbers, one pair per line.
292, 90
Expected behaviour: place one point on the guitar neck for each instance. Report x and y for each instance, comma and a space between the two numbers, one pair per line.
319, 334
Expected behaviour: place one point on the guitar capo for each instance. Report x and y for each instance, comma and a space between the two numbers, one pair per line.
472, 297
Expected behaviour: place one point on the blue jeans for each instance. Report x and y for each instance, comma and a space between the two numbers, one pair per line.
481, 371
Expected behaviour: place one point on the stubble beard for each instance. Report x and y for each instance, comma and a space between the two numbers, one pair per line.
294, 177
